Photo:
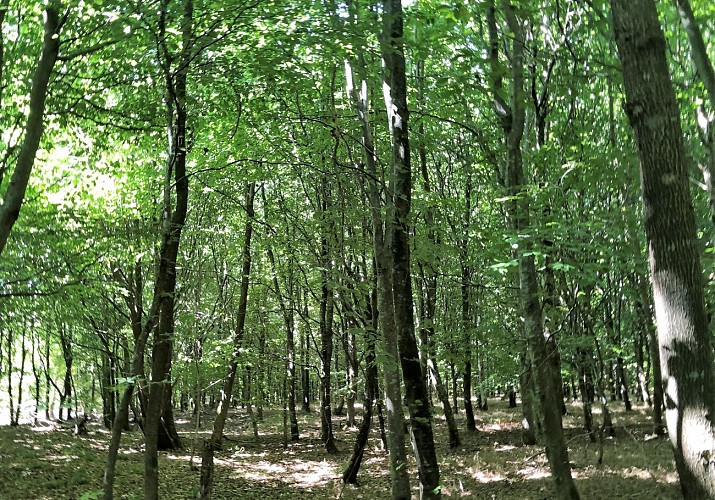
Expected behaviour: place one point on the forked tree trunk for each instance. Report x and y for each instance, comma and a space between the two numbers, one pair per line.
676, 272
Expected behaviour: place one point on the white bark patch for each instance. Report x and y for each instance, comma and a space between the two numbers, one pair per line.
668, 179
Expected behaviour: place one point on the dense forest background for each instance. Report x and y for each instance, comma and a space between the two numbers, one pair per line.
374, 213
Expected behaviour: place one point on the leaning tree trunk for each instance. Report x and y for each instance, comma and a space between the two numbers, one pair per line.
15, 193
214, 442
416, 392
350, 474
429, 294
676, 273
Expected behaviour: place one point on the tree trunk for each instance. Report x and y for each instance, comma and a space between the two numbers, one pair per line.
350, 473
15, 193
326, 339
683, 334
11, 399
467, 355
289, 324
400, 482
173, 223
227, 393
512, 117
416, 392
427, 325
529, 423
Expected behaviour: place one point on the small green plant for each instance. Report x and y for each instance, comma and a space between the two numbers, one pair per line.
91, 495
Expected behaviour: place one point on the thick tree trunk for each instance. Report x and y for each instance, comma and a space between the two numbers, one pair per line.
676, 273
416, 392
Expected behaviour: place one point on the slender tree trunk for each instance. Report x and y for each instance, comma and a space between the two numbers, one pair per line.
400, 482
467, 354
11, 400
427, 325
21, 381
683, 334
430, 276
35, 370
173, 223
305, 372
219, 423
289, 324
351, 472
416, 392
512, 117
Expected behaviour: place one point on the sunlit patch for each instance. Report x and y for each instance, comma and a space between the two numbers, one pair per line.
300, 473
531, 473
637, 473
61, 458
41, 429
503, 447
486, 476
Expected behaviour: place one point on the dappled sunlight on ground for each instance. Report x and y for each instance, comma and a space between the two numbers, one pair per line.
491, 463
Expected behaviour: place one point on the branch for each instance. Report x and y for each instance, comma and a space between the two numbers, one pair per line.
90, 50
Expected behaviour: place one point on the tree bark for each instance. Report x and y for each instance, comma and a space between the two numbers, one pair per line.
173, 223
227, 392
416, 392
350, 473
676, 272
512, 117
400, 482
289, 323
15, 193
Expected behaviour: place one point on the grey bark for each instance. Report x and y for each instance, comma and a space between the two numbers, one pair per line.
512, 117
676, 272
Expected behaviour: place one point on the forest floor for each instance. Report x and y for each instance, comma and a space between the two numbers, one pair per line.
51, 463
